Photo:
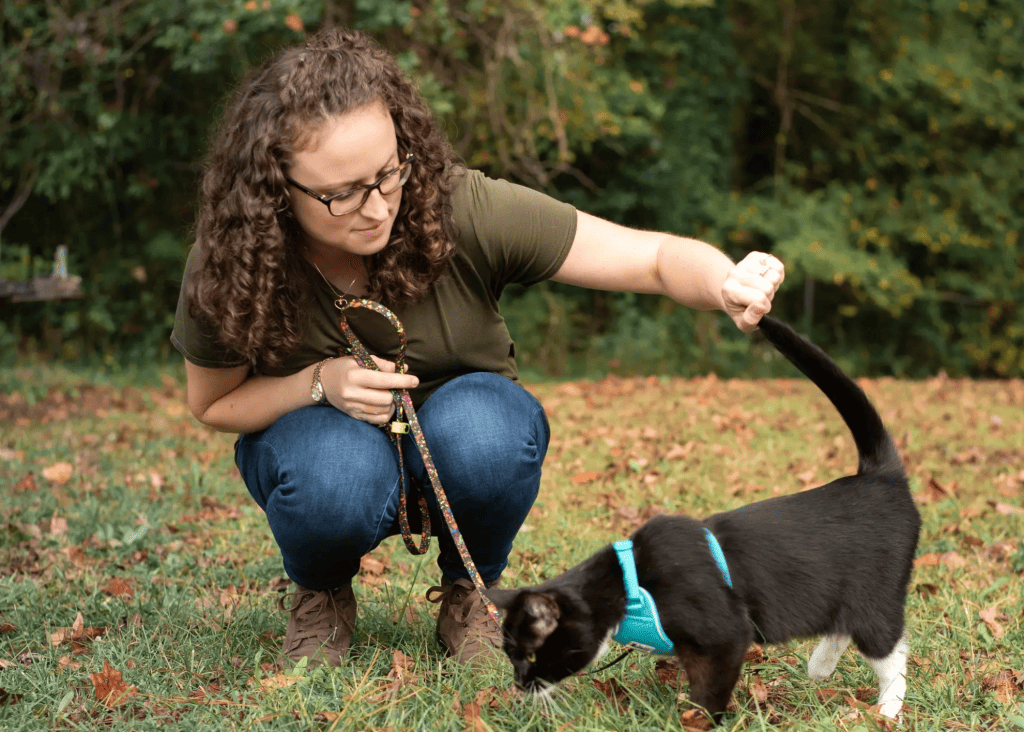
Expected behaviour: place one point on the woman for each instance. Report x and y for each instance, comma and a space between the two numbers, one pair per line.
328, 180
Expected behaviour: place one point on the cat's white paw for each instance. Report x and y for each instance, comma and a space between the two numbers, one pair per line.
826, 656
892, 678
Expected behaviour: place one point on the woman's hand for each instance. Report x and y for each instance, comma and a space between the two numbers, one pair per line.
749, 287
361, 393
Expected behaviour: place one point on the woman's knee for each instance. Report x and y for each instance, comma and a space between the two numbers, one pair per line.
323, 476
487, 427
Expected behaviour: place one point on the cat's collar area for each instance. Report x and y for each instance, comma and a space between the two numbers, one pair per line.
641, 627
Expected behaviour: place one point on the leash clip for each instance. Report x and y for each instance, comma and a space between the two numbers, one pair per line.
399, 428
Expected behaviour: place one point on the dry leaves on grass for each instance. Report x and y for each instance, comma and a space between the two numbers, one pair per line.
59, 473
78, 636
991, 617
111, 690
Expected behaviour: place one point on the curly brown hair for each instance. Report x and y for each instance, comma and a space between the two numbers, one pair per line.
251, 282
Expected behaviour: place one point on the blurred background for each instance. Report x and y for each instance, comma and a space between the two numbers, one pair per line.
875, 146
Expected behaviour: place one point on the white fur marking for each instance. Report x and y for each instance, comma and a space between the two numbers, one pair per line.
605, 645
826, 656
892, 678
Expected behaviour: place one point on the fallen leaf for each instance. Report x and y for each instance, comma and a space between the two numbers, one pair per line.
278, 681
471, 715
668, 671
953, 560
1005, 509
77, 635
58, 526
991, 616
59, 473
585, 477
758, 690
26, 484
117, 587
694, 720
111, 691
371, 565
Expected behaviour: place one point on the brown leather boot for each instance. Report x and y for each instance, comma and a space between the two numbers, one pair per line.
464, 626
320, 626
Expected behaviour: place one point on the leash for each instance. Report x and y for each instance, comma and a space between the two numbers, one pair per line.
405, 420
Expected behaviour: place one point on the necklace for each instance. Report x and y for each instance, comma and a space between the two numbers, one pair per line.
341, 302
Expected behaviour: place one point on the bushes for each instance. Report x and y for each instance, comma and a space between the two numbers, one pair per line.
874, 146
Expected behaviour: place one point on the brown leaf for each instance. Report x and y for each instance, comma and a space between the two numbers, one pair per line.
668, 671
825, 695
59, 473
758, 690
953, 560
117, 587
587, 476
111, 691
1005, 509
694, 720
680, 452
278, 681
7, 628
991, 616
471, 715
370, 565
935, 491
77, 634
927, 560
58, 526
808, 477
26, 484
612, 689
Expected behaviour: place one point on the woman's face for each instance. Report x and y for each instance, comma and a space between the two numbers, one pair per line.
354, 149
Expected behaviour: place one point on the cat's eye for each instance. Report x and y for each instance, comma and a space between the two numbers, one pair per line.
532, 658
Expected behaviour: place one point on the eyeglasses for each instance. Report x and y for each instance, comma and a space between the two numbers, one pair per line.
348, 201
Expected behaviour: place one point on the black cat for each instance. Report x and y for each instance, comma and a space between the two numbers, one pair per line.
834, 560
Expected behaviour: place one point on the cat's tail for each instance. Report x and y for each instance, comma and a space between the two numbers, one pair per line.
875, 446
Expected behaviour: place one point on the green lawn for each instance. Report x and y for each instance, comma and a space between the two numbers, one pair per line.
139, 582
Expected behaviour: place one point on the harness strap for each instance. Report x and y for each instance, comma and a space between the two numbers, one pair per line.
405, 419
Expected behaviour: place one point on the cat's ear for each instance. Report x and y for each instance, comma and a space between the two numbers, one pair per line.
502, 598
544, 613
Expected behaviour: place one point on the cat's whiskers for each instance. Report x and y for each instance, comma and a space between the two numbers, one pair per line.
549, 697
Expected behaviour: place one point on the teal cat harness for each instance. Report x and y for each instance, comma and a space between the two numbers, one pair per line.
641, 628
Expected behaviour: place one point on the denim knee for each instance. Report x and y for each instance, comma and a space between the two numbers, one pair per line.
488, 437
329, 487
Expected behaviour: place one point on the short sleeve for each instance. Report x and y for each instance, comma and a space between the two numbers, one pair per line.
523, 234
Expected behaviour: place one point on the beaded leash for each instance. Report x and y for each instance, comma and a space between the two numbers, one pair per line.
404, 420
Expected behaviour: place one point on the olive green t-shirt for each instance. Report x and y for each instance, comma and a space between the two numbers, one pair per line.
505, 233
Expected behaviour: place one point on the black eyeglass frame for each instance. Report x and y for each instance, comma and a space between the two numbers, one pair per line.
405, 166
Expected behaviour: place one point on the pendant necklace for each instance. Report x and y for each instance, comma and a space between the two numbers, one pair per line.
341, 302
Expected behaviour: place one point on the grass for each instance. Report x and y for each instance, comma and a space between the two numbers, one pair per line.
139, 582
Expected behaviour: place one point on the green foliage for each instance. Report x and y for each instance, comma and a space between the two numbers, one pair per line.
104, 110
875, 147
894, 185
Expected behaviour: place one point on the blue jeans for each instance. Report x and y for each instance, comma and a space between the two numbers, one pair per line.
328, 483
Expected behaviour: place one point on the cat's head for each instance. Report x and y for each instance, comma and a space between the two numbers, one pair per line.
548, 635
